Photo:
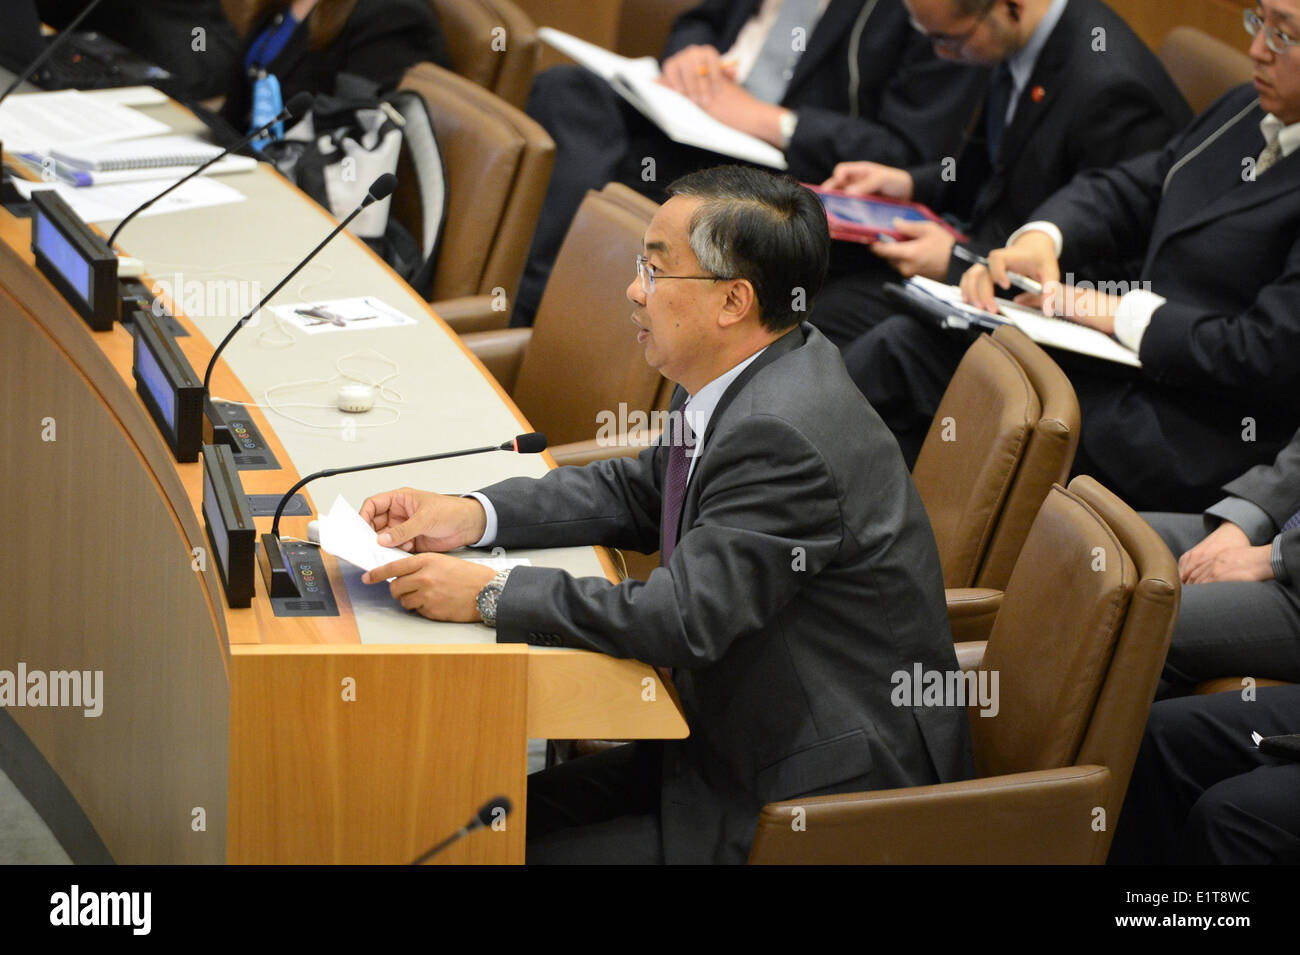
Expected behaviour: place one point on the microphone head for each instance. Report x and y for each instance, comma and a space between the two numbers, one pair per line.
383, 187
534, 442
298, 106
487, 813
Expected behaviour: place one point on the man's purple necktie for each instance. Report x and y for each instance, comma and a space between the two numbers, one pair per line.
681, 447
1292, 523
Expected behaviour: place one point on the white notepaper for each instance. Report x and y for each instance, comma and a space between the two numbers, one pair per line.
1050, 332
38, 122
356, 314
345, 534
113, 202
676, 115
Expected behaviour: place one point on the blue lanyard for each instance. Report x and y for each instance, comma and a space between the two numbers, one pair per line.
270, 43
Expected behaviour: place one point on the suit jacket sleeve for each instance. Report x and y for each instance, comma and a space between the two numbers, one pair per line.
611, 503
762, 529
1190, 344
703, 24
1109, 213
1274, 487
919, 115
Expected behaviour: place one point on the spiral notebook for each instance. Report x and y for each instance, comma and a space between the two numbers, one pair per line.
155, 152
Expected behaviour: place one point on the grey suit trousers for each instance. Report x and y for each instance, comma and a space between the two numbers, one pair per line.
1230, 628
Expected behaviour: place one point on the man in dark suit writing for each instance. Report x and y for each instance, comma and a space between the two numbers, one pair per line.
1060, 67
799, 570
822, 80
1214, 315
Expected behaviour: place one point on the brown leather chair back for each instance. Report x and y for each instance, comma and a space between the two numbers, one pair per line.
1046, 460
971, 454
498, 166
1115, 731
1202, 67
1077, 650
492, 43
583, 358
1052, 643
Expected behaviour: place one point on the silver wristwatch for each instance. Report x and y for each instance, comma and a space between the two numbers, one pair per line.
490, 596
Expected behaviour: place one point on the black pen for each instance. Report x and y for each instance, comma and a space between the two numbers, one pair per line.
1024, 283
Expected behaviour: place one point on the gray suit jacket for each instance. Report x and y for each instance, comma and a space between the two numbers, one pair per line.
805, 575
1276, 488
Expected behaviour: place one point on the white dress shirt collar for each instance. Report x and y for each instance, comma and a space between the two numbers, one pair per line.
700, 406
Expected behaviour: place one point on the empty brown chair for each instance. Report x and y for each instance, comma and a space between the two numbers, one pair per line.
492, 43
1202, 67
1077, 649
498, 165
1006, 430
548, 369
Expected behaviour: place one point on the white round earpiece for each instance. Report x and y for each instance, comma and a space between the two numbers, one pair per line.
356, 398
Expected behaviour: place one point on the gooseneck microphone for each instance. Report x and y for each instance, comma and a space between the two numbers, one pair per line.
280, 579
489, 812
292, 112
380, 189
50, 50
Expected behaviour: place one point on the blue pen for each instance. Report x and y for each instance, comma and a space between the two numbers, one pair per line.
64, 173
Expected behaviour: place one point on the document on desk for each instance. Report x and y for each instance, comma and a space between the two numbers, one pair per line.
343, 314
345, 534
1049, 332
679, 118
38, 122
113, 202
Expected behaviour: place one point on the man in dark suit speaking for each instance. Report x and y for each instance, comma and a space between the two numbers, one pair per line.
799, 571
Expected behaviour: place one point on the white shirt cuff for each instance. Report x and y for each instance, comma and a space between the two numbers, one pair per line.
490, 531
1041, 226
1134, 315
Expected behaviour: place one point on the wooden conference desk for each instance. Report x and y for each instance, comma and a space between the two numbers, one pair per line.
227, 735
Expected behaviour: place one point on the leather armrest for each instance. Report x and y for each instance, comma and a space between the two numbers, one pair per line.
971, 612
502, 352
970, 656
1038, 818
584, 452
471, 313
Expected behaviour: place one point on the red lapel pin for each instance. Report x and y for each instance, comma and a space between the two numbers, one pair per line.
1037, 94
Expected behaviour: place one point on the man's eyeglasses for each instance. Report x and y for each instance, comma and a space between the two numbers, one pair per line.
953, 41
1274, 39
646, 274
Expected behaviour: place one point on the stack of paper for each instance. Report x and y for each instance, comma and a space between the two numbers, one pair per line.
1049, 332
677, 116
39, 122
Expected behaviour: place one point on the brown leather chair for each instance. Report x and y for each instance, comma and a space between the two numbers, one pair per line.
498, 166
580, 359
1078, 648
1202, 67
492, 43
1006, 430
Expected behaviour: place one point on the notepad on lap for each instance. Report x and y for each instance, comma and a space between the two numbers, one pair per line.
677, 116
1049, 332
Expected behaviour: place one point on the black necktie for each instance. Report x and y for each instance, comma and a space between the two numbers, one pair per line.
995, 111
